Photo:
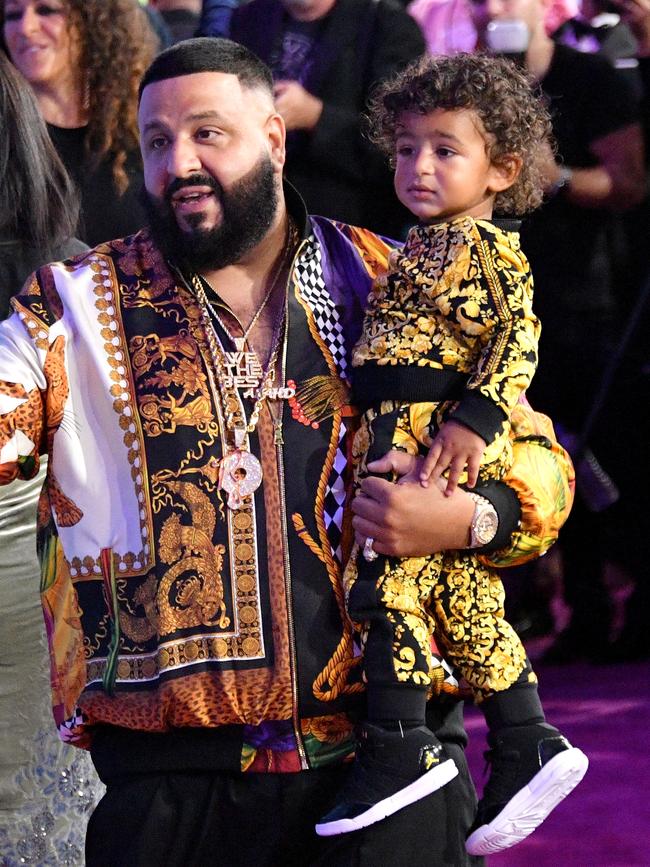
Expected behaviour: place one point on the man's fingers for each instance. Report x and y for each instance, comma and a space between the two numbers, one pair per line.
366, 530
394, 461
381, 465
373, 491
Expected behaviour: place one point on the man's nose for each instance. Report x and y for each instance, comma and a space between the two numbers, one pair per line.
182, 159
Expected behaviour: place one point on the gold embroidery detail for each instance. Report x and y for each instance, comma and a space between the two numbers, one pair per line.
196, 600
106, 303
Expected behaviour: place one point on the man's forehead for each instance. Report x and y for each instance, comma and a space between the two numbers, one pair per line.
192, 83
201, 91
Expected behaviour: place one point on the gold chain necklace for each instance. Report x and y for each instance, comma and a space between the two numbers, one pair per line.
240, 472
240, 342
243, 366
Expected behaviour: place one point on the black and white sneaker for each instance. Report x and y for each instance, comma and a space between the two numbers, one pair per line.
391, 770
534, 767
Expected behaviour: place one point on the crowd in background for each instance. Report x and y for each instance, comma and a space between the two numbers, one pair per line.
71, 177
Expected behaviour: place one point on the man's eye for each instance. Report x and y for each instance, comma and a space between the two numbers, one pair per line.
157, 143
207, 134
404, 151
445, 152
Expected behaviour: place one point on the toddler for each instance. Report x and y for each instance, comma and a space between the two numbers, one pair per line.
448, 347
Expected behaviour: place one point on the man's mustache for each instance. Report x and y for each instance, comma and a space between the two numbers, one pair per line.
197, 180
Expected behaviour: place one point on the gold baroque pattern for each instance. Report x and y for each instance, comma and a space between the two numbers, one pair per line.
188, 548
191, 592
105, 285
458, 296
243, 550
454, 597
467, 603
164, 413
36, 329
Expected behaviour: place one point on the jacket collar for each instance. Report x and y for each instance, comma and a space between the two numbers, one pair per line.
297, 209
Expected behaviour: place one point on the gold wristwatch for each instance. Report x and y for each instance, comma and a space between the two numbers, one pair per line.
485, 522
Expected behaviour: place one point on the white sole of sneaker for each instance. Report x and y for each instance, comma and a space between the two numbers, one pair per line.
531, 805
430, 782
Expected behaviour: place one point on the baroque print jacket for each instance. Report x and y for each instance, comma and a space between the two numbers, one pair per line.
452, 322
165, 609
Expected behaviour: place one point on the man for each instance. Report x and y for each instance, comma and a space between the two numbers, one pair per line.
326, 56
598, 170
189, 385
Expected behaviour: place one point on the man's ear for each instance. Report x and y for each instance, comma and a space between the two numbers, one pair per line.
505, 172
276, 135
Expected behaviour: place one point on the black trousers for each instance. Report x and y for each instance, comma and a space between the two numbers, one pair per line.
205, 819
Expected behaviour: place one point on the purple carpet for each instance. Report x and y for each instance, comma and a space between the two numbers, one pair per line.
605, 821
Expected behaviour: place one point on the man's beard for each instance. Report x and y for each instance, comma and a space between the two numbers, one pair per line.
247, 212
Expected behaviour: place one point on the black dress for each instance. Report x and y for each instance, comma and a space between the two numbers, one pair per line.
18, 260
105, 214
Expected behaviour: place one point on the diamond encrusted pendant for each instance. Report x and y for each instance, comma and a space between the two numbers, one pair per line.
240, 473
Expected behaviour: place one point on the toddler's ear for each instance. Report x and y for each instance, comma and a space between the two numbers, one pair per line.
504, 173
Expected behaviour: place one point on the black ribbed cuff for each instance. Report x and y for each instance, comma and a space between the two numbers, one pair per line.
373, 383
402, 701
479, 414
508, 508
517, 705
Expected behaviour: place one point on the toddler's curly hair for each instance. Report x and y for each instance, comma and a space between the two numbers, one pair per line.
502, 95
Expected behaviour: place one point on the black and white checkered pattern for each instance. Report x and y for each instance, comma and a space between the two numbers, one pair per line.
335, 497
309, 276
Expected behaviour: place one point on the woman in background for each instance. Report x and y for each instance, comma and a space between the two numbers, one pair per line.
47, 789
84, 60
38, 204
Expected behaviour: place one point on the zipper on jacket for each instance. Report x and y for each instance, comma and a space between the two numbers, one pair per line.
304, 762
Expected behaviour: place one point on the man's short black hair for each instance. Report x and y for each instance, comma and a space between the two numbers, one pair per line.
207, 54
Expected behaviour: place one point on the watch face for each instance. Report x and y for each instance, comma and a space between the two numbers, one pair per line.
486, 526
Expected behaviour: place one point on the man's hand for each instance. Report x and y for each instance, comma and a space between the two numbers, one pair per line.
299, 108
617, 180
455, 448
406, 519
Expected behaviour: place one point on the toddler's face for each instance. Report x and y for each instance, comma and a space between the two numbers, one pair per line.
443, 169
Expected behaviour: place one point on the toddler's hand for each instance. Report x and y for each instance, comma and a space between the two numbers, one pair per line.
455, 448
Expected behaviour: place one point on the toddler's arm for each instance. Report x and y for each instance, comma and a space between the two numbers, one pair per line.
455, 448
